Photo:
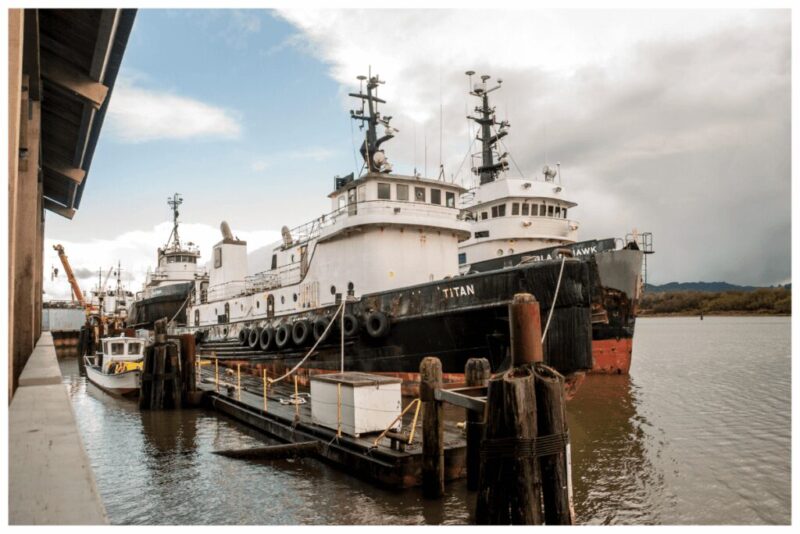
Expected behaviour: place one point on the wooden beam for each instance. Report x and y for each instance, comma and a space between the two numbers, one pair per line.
66, 170
32, 64
16, 23
72, 81
55, 207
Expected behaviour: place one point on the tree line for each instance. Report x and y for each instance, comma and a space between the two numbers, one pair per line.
766, 301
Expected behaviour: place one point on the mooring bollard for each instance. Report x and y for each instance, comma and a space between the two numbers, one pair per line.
430, 374
476, 374
525, 329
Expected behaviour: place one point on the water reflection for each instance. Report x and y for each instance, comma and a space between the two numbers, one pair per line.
614, 480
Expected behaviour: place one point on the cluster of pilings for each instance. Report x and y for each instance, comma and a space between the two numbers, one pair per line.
517, 438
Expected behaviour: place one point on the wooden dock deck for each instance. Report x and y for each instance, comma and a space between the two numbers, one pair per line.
390, 463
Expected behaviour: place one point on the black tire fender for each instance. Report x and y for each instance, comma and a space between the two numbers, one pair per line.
350, 324
377, 324
301, 332
267, 338
244, 336
283, 335
320, 324
254, 337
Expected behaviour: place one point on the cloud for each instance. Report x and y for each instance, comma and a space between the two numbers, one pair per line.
136, 252
677, 123
313, 154
137, 115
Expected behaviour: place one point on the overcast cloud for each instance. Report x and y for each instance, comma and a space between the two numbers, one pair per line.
675, 122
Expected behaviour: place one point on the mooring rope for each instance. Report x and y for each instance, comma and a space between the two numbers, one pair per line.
555, 296
311, 351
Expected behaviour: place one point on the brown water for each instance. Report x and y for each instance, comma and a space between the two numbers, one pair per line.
699, 433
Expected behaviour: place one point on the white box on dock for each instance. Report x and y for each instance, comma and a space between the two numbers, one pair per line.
369, 403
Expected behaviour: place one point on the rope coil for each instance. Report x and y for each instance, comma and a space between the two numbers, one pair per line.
525, 447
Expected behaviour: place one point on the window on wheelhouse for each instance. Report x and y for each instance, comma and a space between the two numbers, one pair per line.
549, 211
402, 192
542, 210
134, 349
558, 212
419, 194
525, 209
515, 208
534, 210
117, 349
436, 196
450, 199
501, 210
384, 191
494, 212
484, 215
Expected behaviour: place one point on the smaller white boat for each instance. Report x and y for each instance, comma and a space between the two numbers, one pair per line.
118, 367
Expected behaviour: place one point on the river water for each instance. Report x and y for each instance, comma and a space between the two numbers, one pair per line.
699, 433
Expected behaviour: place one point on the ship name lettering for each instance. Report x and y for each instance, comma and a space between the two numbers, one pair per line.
458, 291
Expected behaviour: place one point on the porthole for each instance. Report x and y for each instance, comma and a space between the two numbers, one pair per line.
333, 290
283, 299
258, 304
294, 297
511, 251
499, 251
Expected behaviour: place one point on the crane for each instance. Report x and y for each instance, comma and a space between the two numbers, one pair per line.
71, 277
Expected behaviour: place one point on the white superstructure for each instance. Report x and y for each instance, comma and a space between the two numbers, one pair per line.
510, 214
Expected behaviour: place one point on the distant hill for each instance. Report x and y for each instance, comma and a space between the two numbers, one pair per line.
710, 287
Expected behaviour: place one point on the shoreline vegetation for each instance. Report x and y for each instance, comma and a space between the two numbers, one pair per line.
762, 301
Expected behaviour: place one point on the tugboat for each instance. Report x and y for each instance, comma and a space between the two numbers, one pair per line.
117, 368
517, 220
166, 290
382, 266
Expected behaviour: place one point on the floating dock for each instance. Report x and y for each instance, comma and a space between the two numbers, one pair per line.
390, 461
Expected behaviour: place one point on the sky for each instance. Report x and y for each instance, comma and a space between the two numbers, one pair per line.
675, 122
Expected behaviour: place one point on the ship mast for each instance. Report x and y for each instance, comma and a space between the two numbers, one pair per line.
374, 157
488, 170
174, 201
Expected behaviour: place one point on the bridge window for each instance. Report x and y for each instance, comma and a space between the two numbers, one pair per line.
484, 233
542, 210
436, 196
494, 212
402, 192
484, 215
499, 210
450, 199
462, 258
419, 194
558, 211
515, 208
549, 211
384, 191
117, 349
534, 210
564, 213
525, 209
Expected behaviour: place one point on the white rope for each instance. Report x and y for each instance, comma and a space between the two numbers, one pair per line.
553, 304
310, 352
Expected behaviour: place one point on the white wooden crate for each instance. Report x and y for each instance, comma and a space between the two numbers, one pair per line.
369, 403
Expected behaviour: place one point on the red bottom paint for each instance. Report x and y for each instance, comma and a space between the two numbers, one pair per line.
612, 356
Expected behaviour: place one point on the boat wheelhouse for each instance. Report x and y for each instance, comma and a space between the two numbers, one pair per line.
117, 368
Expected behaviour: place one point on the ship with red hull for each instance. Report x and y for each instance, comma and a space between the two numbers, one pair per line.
519, 219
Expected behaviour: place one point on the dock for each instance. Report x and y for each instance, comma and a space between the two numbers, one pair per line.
392, 462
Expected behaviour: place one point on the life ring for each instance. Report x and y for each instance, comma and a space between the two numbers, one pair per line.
350, 324
266, 338
254, 337
301, 331
283, 335
320, 324
244, 336
377, 324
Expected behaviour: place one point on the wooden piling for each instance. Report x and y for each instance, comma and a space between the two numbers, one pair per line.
509, 487
526, 330
476, 373
552, 421
161, 373
430, 371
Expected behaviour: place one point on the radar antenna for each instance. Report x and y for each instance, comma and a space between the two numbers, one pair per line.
488, 170
174, 201
374, 157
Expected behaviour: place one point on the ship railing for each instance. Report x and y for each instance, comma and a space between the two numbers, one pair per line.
227, 290
262, 281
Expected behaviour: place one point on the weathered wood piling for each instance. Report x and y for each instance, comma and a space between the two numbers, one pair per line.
430, 371
524, 478
476, 374
161, 373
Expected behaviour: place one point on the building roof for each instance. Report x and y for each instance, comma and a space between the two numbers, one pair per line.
72, 57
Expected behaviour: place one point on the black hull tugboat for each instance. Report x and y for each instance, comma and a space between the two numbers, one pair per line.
166, 290
374, 285
517, 220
